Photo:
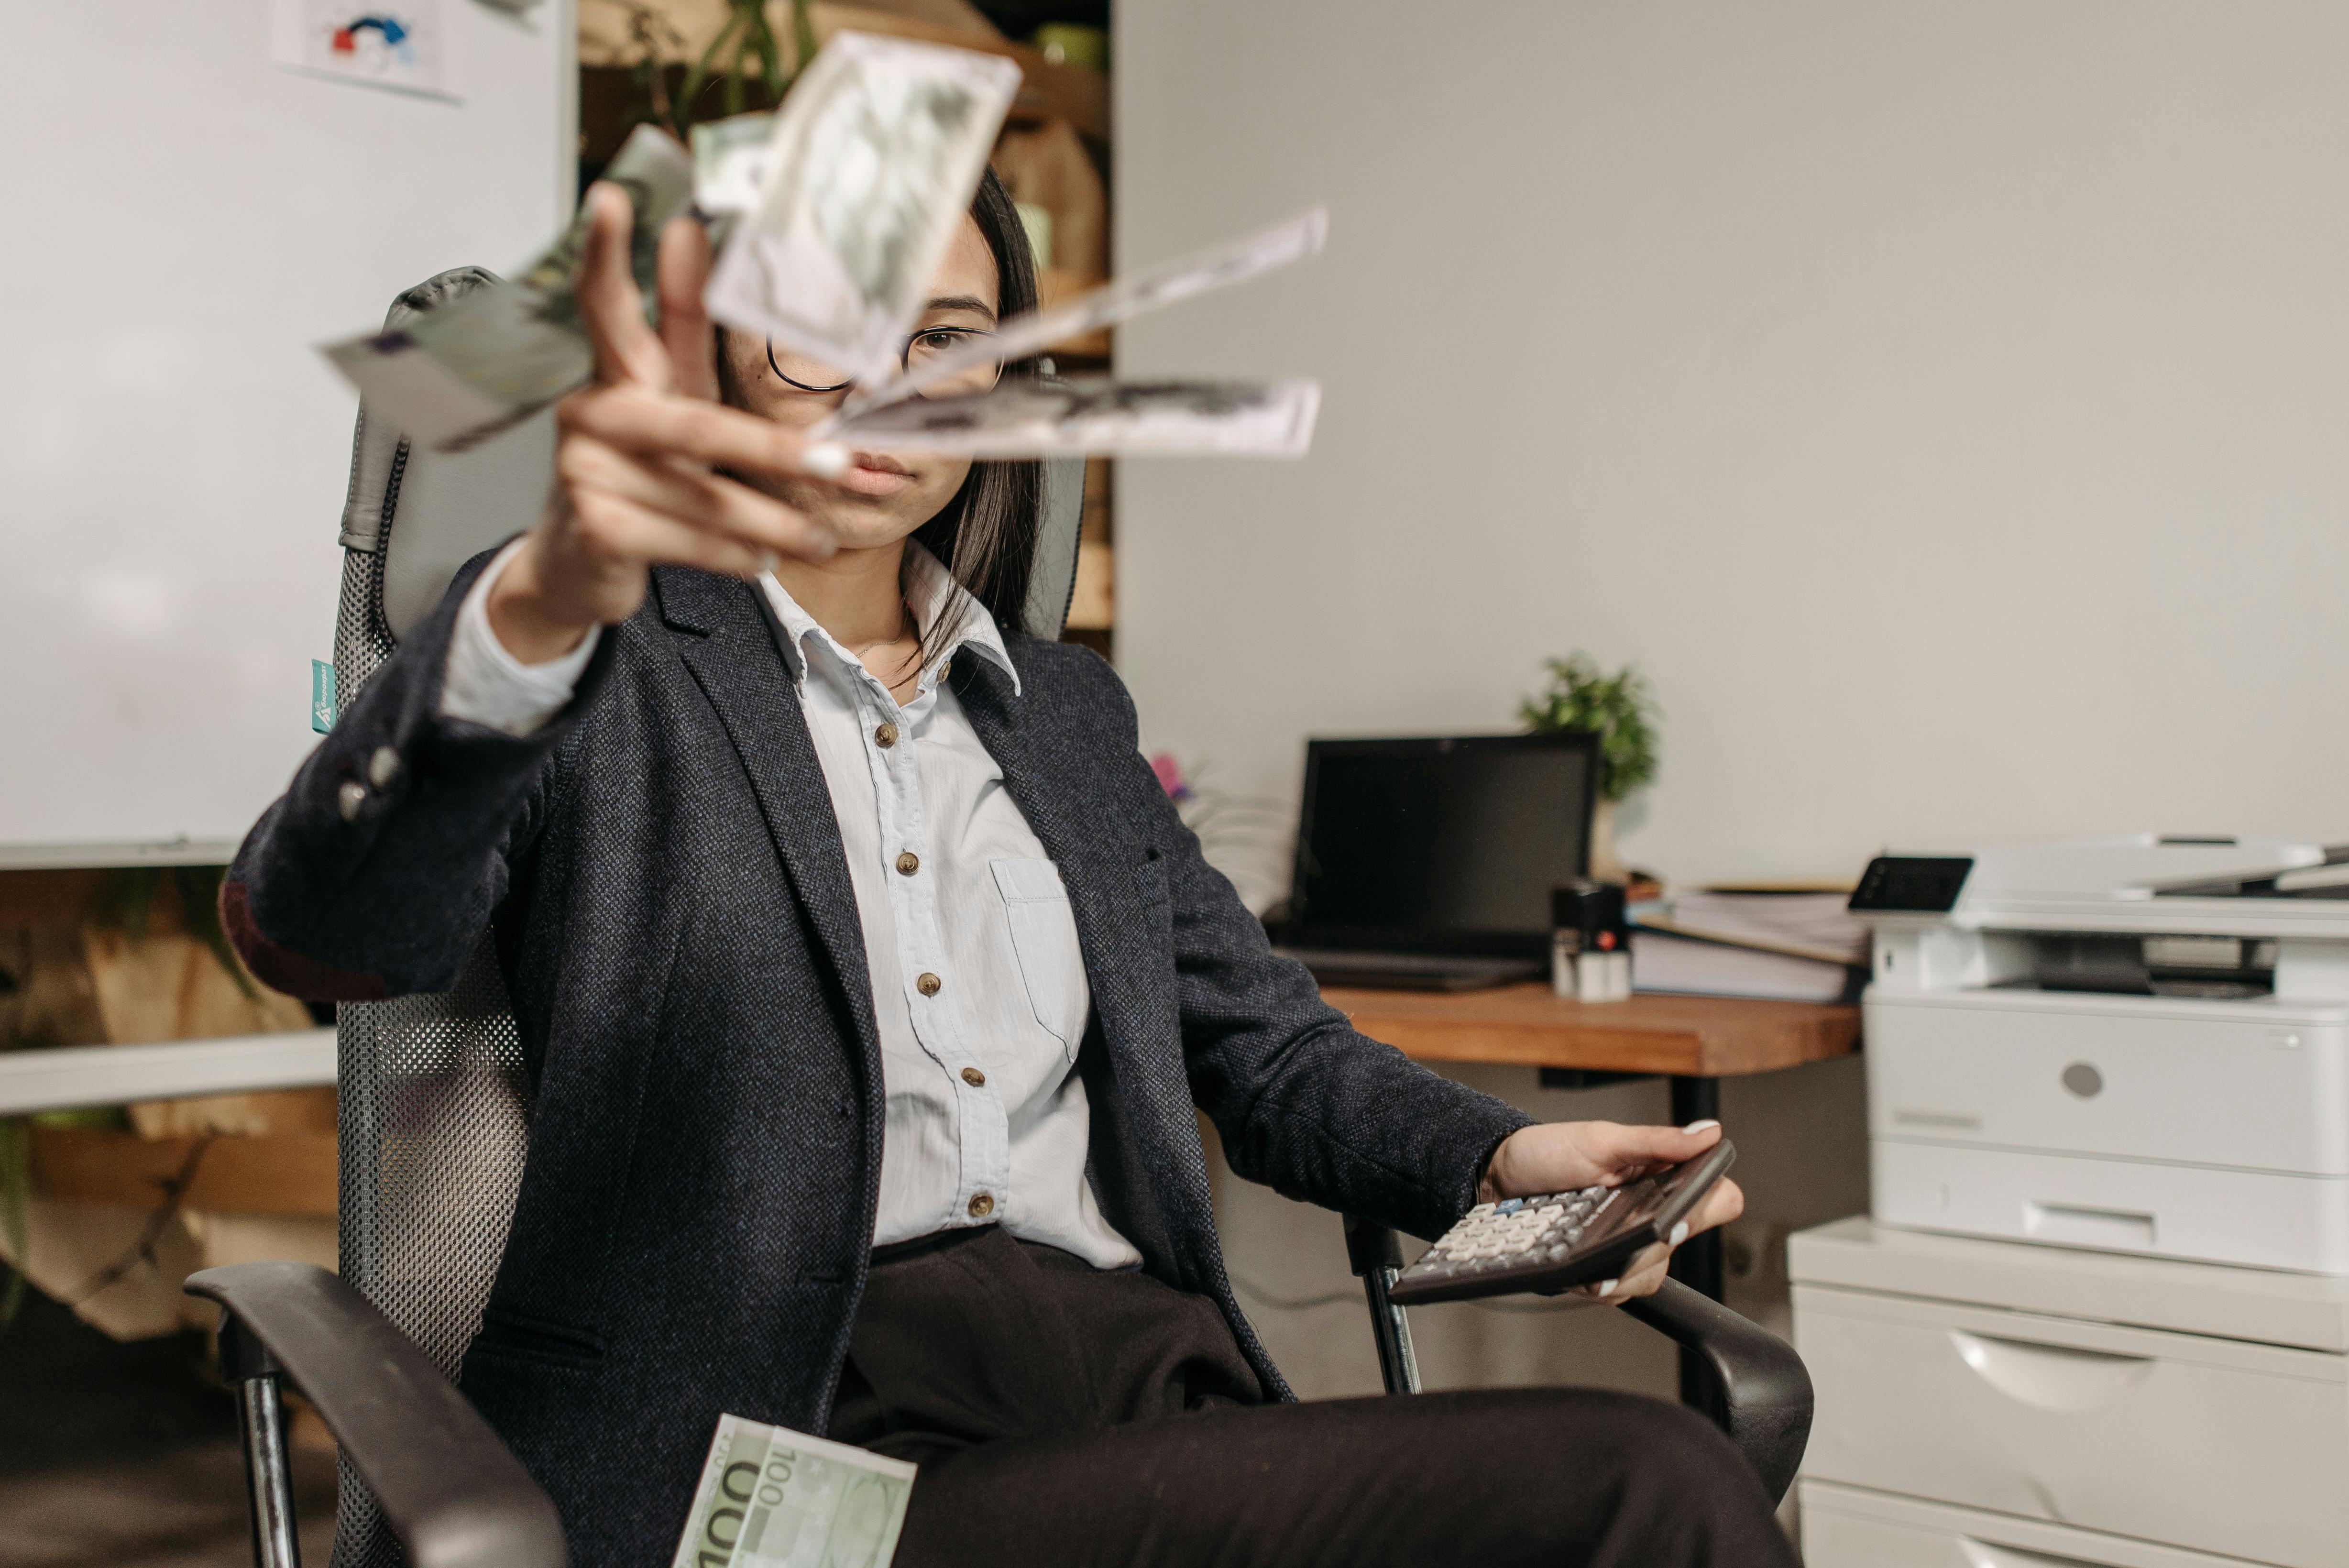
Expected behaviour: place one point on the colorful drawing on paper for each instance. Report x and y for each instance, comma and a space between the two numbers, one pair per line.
404, 45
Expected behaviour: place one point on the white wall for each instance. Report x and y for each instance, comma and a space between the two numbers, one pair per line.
1944, 401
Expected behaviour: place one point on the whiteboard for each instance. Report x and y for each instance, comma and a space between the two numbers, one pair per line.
187, 222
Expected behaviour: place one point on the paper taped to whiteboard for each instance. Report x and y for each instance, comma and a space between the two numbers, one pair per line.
407, 45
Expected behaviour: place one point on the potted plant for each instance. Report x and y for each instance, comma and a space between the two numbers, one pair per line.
1620, 709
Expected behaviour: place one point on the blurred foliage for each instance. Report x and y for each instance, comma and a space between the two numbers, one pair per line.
125, 902
723, 80
1620, 709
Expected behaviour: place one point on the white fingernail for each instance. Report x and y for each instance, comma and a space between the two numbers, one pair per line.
1707, 1125
824, 460
1680, 1232
1609, 1288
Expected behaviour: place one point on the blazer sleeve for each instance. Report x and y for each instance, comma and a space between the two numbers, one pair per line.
378, 870
1303, 1103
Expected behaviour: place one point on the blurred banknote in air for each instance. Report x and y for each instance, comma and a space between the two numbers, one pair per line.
773, 1497
873, 161
1026, 335
730, 160
1027, 419
467, 371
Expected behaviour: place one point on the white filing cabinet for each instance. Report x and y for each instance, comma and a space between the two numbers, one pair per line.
1988, 1404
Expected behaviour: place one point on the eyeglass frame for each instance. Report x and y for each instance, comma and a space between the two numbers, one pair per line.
904, 359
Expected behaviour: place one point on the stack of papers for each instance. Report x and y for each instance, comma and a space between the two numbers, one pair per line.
1788, 943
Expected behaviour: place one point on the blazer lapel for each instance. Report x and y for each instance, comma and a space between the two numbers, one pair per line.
736, 658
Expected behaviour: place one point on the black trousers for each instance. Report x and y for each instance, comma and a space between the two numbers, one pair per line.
1066, 1416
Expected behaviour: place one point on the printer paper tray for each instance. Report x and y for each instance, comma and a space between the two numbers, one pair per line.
2258, 1219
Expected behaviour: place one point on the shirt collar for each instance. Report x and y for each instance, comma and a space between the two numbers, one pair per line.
931, 591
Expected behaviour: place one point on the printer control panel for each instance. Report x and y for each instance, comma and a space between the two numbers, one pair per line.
1911, 884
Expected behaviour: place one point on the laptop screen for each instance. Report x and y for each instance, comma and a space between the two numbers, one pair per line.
1447, 845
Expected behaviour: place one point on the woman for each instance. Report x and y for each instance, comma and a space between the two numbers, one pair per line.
868, 983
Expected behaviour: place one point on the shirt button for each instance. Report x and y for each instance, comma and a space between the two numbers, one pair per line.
973, 1077
909, 862
349, 799
929, 985
886, 736
981, 1206
383, 766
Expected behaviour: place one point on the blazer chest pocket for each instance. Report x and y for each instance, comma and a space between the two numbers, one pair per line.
1044, 934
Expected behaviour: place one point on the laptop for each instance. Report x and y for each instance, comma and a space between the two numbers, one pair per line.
1428, 864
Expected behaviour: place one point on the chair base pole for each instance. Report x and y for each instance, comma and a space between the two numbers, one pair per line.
1390, 1327
268, 1473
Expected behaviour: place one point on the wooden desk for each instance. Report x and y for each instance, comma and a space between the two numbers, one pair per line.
1693, 1042
1708, 1038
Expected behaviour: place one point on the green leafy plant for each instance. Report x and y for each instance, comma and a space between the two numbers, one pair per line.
745, 39
750, 37
1620, 707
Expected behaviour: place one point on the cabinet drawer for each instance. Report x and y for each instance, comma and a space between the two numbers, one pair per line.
1848, 1528
2214, 1444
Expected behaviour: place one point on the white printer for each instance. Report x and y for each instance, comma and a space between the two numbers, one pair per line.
2136, 1044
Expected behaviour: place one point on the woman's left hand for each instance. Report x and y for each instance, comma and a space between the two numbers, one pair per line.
1560, 1156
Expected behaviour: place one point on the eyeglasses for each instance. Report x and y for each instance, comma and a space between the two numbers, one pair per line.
813, 375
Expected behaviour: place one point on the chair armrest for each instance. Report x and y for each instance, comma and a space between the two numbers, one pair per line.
1765, 1388
451, 1492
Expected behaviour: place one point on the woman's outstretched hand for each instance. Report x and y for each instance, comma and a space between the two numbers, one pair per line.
1560, 1156
638, 454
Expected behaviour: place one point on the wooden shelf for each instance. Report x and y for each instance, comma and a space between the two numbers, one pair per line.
1074, 93
1709, 1037
1057, 285
1092, 607
285, 1174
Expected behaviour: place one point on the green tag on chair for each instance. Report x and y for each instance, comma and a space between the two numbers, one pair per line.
322, 695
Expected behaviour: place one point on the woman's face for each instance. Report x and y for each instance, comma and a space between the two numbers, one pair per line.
883, 498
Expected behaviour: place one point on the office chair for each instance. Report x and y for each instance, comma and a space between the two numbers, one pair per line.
435, 1121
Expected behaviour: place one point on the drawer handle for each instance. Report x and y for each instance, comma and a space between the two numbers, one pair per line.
1982, 1554
2050, 1376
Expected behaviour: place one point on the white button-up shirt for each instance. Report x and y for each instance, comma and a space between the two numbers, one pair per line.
978, 986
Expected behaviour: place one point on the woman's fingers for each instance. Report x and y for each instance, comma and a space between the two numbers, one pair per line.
640, 419
611, 307
684, 331
1648, 1268
696, 498
1622, 1149
615, 527
1640, 1277
1717, 1208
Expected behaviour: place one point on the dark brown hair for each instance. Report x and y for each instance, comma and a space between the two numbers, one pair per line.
986, 535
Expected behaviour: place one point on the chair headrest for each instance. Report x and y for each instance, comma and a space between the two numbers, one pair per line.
430, 512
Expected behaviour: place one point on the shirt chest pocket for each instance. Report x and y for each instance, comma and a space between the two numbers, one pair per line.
1044, 934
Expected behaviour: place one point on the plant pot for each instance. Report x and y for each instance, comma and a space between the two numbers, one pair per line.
1606, 864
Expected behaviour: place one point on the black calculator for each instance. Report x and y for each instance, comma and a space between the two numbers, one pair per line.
1550, 1244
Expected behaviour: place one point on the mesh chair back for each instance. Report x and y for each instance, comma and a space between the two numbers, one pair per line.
435, 1104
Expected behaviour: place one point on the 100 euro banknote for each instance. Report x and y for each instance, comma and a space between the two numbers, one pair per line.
873, 161
773, 1497
460, 374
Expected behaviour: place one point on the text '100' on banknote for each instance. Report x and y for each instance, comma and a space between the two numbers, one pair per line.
773, 1497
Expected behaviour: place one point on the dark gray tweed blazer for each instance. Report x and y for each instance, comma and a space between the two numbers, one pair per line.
672, 908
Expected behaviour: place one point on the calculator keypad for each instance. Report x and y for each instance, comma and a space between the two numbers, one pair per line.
1516, 1232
